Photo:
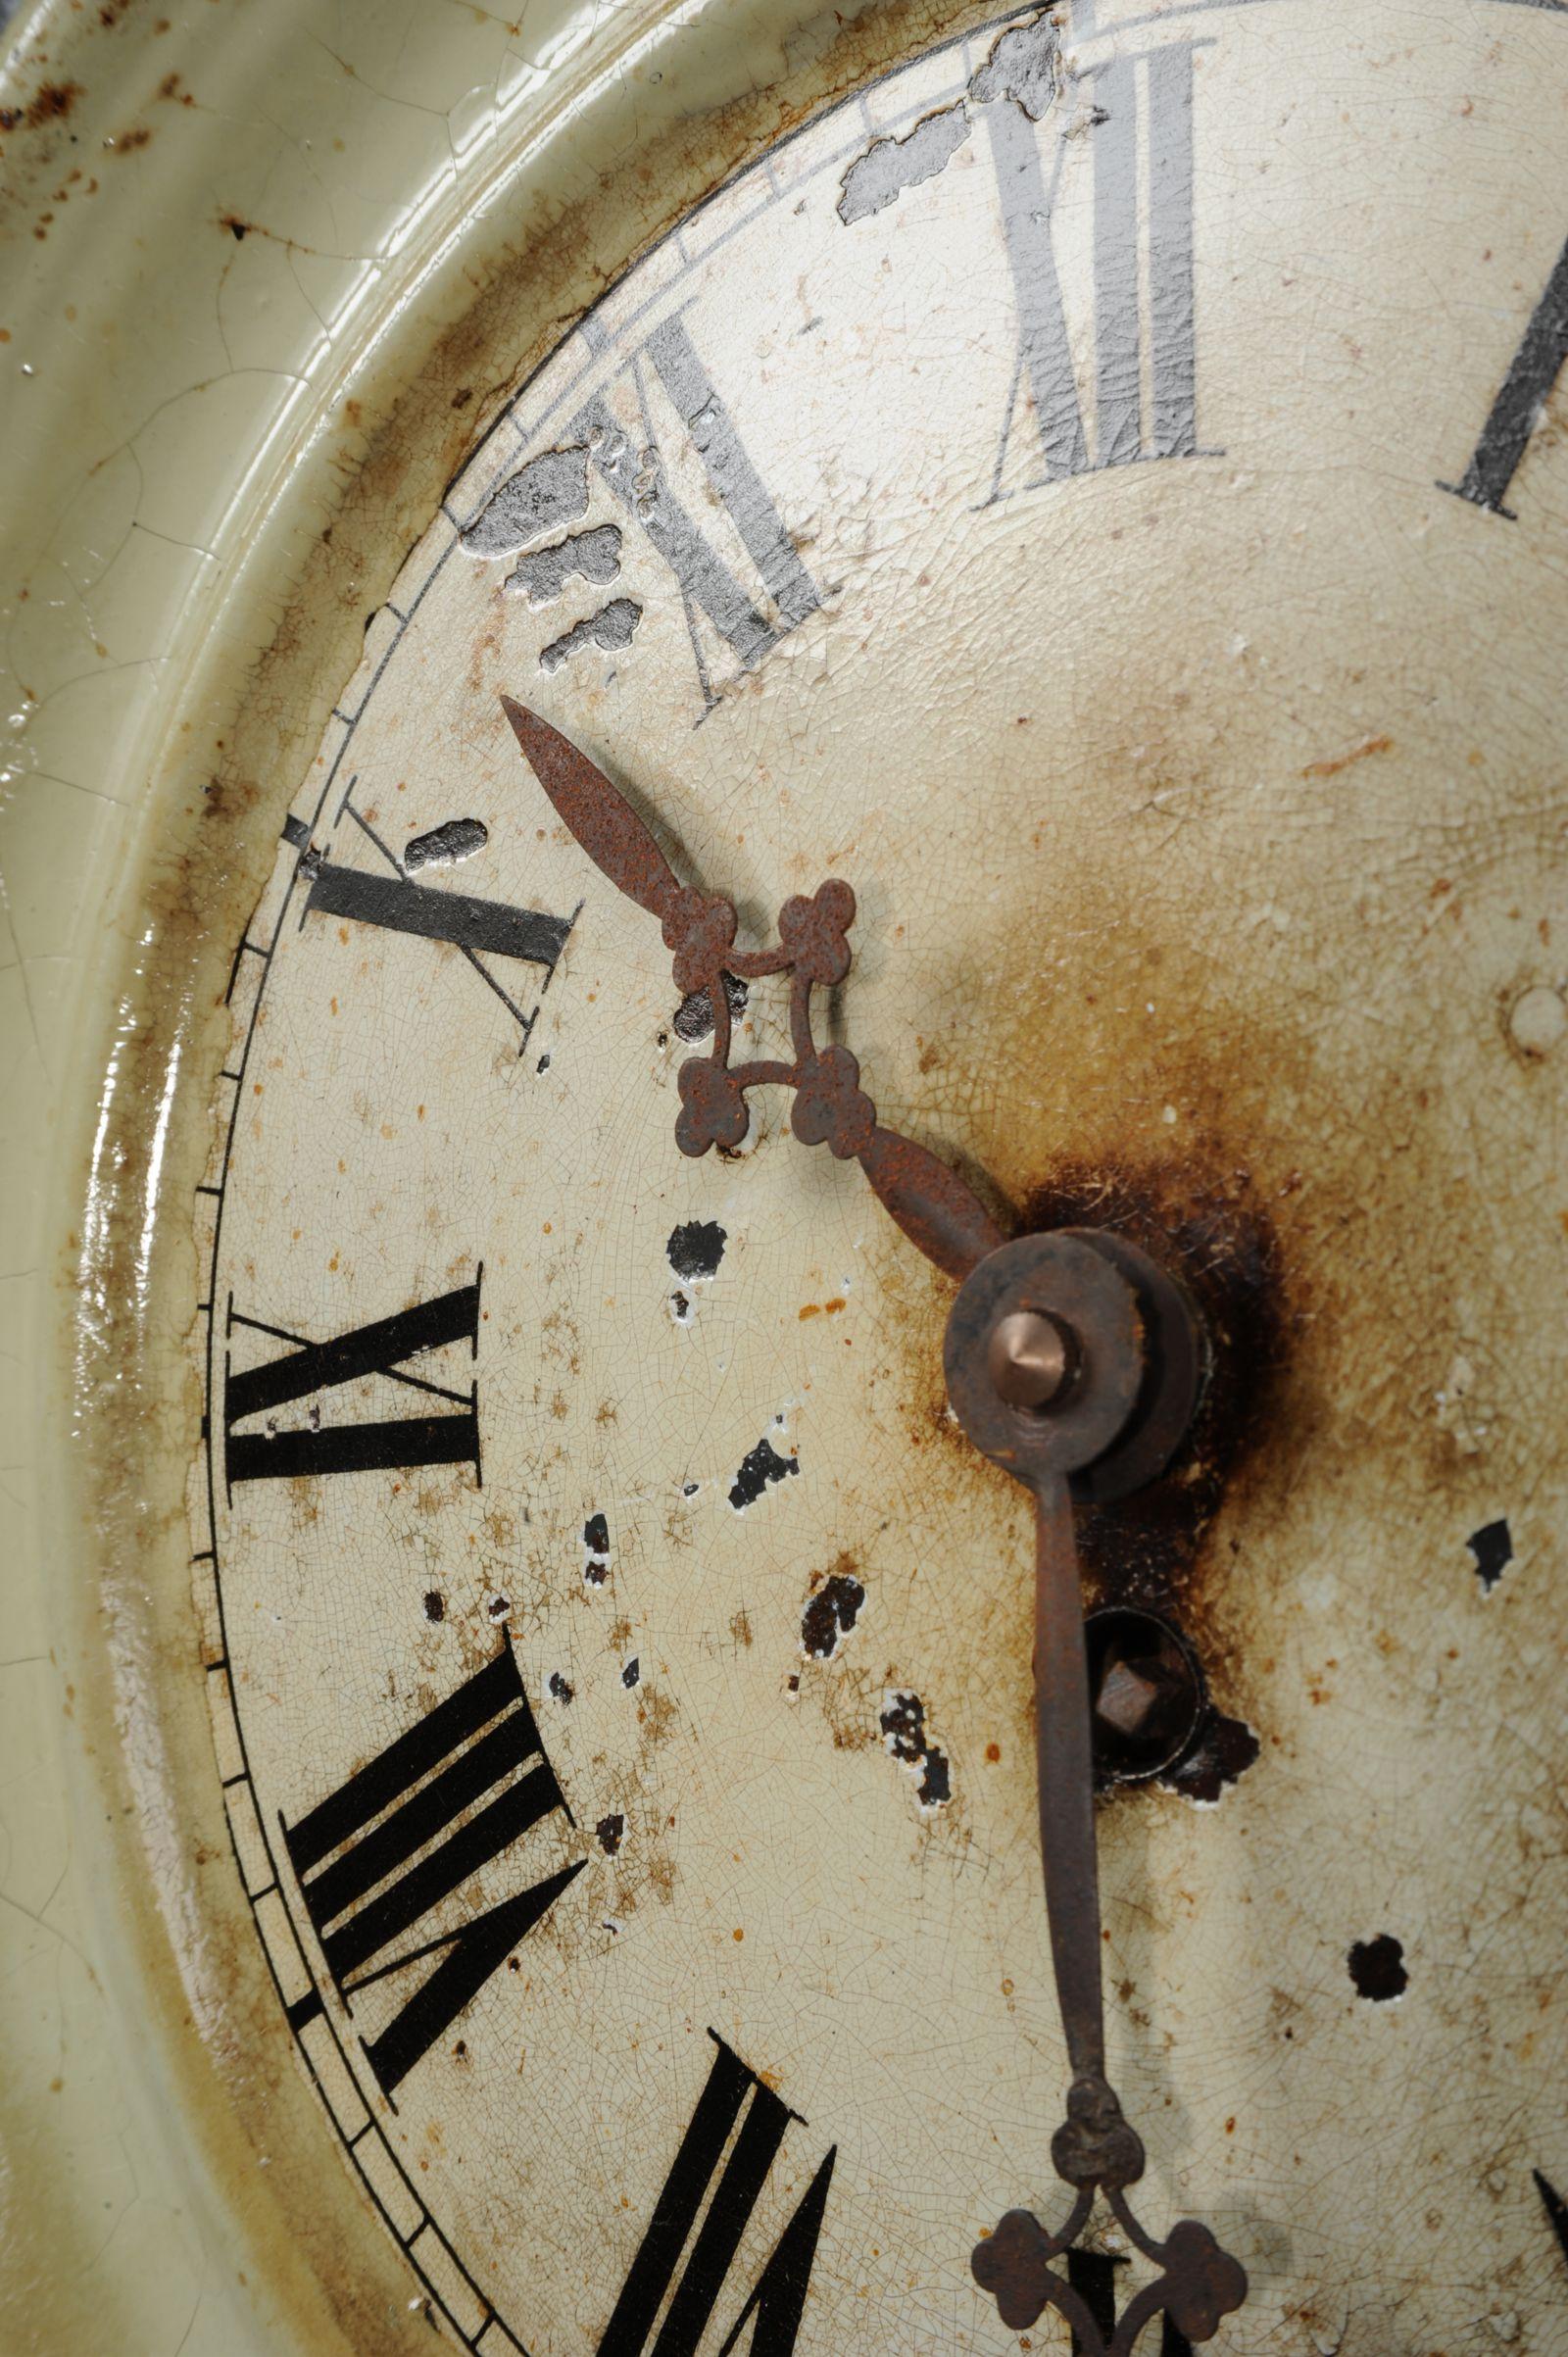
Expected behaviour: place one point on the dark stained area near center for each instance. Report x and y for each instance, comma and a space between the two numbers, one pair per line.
759, 1468
1221, 1750
696, 1248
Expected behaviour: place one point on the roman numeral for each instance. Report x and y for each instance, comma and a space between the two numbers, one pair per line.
639, 476
1521, 402
1145, 360
1093, 2276
377, 1857
1556, 2209
480, 928
733, 2105
447, 1436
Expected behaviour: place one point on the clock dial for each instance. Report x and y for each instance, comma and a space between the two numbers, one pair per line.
1052, 490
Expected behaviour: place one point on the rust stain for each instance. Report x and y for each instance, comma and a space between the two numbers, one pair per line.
51, 103
1342, 761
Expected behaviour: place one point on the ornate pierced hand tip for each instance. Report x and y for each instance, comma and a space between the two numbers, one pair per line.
930, 1203
1015, 2266
1197, 2285
1204, 2284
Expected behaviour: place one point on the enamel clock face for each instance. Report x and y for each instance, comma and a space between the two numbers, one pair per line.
1099, 488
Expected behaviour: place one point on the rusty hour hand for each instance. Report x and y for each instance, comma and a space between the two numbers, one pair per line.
930, 1203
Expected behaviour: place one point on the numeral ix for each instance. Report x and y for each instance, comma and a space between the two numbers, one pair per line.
307, 1370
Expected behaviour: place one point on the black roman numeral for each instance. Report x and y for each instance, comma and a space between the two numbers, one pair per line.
1093, 2276
1521, 403
1556, 2209
480, 928
383, 1852
775, 2304
638, 476
1146, 105
448, 1436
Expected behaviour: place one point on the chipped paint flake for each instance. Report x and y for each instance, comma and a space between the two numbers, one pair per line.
888, 167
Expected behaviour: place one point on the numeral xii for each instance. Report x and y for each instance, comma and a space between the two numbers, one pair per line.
1143, 127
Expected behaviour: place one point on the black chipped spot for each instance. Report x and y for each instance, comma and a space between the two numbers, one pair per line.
559, 1687
1493, 1549
1377, 1967
550, 492
759, 1468
903, 1728
611, 630
892, 164
542, 576
596, 1535
903, 1723
632, 1672
611, 1830
435, 1606
1221, 1750
694, 1017
446, 844
696, 1248
830, 1615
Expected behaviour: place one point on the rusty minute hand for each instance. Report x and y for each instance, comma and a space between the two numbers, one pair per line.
929, 1201
1065, 1352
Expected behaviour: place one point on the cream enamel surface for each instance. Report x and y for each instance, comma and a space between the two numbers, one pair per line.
1258, 810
